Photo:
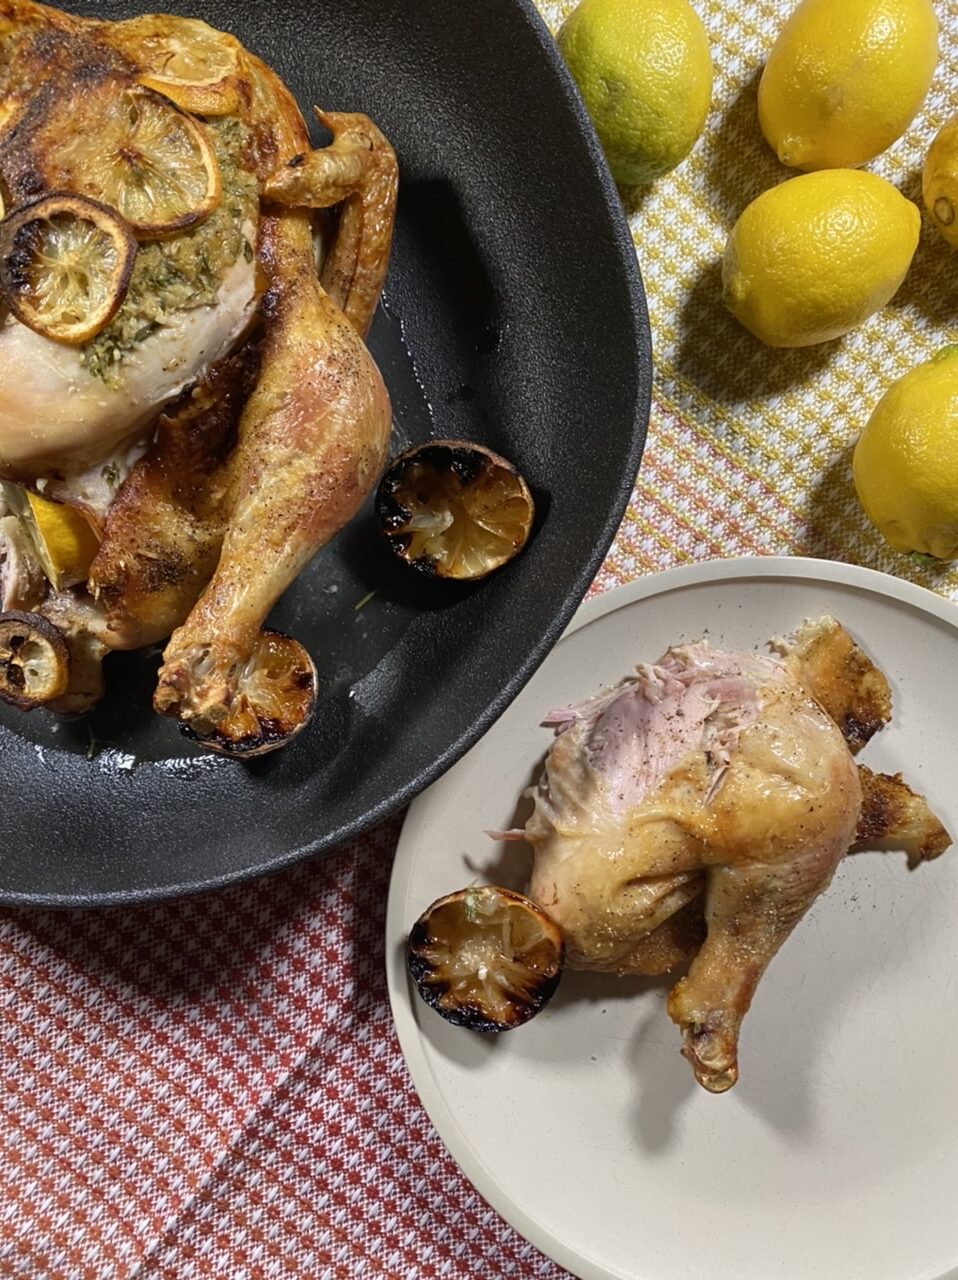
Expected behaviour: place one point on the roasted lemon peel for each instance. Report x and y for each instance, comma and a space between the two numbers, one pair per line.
188, 61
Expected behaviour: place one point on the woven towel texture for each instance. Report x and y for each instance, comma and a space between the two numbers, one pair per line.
749, 448
213, 1088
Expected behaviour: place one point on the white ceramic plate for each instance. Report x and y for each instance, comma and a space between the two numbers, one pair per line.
836, 1155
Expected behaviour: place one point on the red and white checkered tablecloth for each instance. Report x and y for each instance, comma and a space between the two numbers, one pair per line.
213, 1087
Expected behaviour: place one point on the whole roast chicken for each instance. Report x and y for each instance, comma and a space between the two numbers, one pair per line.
213, 415
696, 811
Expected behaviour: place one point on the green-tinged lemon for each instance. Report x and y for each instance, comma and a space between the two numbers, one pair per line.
814, 257
939, 181
645, 74
906, 460
845, 78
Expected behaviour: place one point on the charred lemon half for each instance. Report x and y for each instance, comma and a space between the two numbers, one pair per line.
454, 510
65, 265
274, 701
485, 958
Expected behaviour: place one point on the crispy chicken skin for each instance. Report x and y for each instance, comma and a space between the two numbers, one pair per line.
57, 417
841, 678
251, 425
698, 809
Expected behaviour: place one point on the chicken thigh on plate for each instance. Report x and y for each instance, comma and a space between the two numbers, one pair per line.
174, 371
699, 808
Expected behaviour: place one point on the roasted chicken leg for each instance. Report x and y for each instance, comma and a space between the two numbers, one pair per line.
242, 424
700, 807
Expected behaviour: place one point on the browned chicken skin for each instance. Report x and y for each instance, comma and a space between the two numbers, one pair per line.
697, 811
272, 448
311, 442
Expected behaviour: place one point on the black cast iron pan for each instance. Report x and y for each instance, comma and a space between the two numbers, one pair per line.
514, 315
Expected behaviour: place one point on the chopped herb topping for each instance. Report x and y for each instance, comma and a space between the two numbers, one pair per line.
186, 270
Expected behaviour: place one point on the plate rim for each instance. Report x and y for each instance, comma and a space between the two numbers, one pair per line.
441, 1115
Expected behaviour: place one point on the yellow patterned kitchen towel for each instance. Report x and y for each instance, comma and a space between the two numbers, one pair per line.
749, 448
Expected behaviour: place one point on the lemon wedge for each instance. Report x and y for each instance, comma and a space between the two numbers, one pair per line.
64, 539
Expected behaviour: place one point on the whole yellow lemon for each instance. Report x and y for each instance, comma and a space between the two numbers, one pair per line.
644, 70
905, 463
845, 78
815, 256
939, 181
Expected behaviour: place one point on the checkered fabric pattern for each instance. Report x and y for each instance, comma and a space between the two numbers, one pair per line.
213, 1088
749, 449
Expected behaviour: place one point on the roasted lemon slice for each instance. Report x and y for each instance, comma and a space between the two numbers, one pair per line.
454, 510
65, 265
192, 63
34, 660
135, 150
485, 958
